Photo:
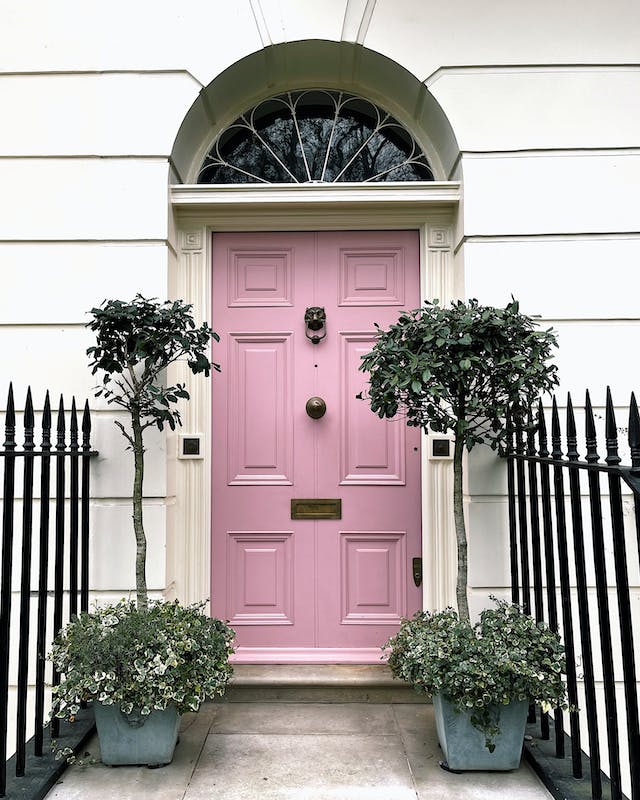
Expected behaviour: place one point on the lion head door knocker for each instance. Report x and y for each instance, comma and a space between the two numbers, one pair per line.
315, 320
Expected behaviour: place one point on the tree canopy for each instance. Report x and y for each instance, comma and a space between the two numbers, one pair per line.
460, 368
135, 342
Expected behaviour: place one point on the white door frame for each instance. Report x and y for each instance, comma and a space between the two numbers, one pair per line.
198, 211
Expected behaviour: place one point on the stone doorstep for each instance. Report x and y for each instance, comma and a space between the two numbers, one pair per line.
317, 683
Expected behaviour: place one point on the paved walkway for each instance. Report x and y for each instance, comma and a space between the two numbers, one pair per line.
300, 751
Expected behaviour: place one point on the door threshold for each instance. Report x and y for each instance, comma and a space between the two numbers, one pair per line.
317, 683
307, 655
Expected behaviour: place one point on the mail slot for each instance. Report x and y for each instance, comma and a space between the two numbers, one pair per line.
325, 508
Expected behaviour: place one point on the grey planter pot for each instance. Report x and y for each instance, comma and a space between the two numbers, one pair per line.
463, 745
136, 739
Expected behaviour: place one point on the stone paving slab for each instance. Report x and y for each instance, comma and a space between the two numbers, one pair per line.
301, 751
303, 718
99, 782
304, 767
417, 729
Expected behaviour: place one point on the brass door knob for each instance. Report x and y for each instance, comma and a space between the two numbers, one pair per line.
316, 407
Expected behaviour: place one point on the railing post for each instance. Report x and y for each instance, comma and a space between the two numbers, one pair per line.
25, 587
602, 594
522, 514
58, 586
579, 559
84, 524
73, 511
549, 561
5, 582
41, 641
513, 527
624, 603
565, 589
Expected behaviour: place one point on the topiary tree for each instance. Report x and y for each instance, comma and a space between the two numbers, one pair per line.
136, 342
460, 369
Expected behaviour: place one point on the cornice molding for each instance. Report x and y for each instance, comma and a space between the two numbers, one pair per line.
200, 197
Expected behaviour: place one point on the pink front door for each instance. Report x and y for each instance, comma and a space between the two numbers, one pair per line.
314, 590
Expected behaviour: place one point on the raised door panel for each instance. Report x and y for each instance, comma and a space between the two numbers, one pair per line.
372, 450
262, 565
260, 277
373, 577
259, 412
371, 276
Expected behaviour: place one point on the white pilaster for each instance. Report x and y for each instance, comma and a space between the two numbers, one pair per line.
438, 532
189, 538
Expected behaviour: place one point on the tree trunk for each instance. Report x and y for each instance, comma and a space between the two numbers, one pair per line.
461, 533
141, 540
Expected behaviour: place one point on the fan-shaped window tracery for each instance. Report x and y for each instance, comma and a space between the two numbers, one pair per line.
314, 136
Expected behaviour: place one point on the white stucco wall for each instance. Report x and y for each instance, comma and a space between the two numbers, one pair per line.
542, 100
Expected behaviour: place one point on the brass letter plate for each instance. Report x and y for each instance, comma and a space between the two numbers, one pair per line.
317, 509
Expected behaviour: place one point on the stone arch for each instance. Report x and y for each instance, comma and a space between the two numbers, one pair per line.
314, 64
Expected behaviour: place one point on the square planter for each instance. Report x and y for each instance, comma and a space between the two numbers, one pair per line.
134, 738
463, 746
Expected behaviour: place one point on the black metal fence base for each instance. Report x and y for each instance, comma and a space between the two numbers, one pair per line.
42, 772
557, 773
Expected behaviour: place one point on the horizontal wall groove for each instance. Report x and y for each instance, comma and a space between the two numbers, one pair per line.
72, 73
462, 69
84, 241
629, 150
478, 238
589, 320
37, 324
163, 157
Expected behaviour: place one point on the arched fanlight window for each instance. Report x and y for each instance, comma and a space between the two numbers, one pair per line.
314, 136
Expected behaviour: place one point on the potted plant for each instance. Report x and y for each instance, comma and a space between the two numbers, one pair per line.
481, 678
143, 663
143, 668
461, 370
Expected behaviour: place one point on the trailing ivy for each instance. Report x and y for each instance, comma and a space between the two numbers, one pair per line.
145, 659
505, 656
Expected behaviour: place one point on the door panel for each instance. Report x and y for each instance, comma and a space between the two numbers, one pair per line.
260, 447
262, 565
310, 590
371, 453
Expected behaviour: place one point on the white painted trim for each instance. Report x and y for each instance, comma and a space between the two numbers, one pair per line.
203, 196
199, 211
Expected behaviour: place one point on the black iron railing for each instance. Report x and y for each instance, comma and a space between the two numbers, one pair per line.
63, 537
571, 519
